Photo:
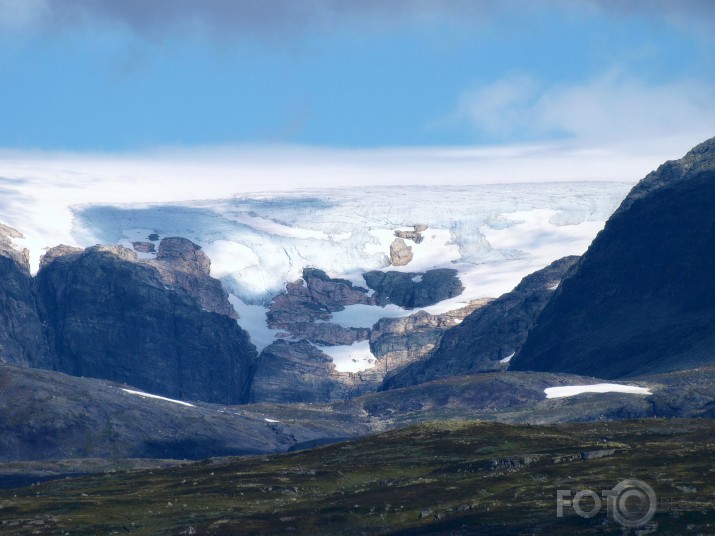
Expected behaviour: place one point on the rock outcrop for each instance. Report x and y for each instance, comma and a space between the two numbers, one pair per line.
22, 339
144, 247
415, 235
641, 298
490, 334
400, 253
296, 371
181, 263
397, 342
306, 307
110, 316
412, 290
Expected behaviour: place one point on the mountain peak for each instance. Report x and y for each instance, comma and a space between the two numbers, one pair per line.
699, 159
640, 300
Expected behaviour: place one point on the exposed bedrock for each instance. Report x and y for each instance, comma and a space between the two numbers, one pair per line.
110, 316
306, 307
489, 335
397, 342
412, 290
296, 371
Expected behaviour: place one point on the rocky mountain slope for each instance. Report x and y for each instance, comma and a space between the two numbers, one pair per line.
641, 299
488, 337
162, 325
295, 369
47, 415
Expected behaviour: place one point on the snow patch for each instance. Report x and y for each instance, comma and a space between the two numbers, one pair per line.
350, 358
572, 390
270, 420
252, 318
507, 358
417, 279
157, 397
360, 315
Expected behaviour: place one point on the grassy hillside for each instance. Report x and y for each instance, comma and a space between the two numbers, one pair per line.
457, 477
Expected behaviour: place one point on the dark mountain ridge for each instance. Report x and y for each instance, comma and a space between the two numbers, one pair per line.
642, 298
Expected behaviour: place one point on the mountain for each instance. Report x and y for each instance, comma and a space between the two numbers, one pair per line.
642, 298
163, 324
488, 337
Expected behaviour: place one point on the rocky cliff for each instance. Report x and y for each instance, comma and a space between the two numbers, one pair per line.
110, 316
181, 263
22, 340
397, 342
488, 335
641, 298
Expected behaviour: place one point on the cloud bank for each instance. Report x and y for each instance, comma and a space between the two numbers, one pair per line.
236, 18
615, 106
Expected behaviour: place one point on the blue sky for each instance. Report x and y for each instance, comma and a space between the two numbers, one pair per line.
131, 75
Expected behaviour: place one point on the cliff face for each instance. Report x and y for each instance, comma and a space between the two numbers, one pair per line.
22, 341
181, 263
112, 317
642, 297
397, 342
488, 335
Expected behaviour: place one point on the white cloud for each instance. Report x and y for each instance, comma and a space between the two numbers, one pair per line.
613, 108
16, 15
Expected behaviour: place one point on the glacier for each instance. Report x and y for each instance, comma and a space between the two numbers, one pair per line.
258, 242
493, 235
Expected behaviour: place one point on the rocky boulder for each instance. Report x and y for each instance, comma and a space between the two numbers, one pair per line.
415, 235
400, 253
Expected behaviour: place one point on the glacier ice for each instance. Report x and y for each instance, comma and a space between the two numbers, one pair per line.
259, 242
492, 234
